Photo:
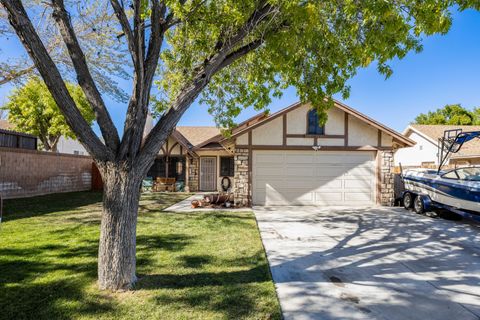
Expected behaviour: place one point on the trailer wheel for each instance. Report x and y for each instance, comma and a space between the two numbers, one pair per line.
418, 205
407, 200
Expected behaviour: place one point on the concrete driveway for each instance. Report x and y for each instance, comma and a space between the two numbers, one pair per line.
376, 263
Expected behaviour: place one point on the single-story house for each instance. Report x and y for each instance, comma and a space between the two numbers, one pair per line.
286, 158
425, 152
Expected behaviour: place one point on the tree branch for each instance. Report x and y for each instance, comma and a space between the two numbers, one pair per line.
84, 76
138, 106
127, 30
10, 76
224, 56
22, 25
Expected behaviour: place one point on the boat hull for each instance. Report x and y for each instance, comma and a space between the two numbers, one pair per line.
462, 196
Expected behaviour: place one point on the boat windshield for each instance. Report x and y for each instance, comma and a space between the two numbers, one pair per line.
467, 174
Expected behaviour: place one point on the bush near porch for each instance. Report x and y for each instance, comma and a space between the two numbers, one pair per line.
190, 266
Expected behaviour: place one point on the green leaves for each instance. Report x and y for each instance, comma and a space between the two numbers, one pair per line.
32, 109
314, 46
452, 114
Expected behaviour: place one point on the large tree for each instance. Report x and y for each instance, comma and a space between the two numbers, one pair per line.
451, 114
238, 53
31, 109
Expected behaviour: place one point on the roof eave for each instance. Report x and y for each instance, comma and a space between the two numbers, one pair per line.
405, 141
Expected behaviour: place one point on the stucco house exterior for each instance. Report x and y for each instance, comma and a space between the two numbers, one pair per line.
425, 151
286, 158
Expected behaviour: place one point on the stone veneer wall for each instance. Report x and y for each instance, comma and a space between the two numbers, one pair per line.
193, 174
386, 178
240, 180
26, 173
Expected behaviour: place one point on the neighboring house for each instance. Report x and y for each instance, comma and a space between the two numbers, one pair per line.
286, 158
70, 146
13, 139
426, 149
65, 145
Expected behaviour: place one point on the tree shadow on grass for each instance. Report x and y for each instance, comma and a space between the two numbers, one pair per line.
234, 292
50, 281
57, 299
37, 206
179, 281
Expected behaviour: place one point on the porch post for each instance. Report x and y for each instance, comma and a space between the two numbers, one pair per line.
187, 173
167, 161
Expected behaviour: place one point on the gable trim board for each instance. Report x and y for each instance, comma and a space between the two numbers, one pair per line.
404, 141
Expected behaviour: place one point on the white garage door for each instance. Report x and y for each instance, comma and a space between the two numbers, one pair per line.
313, 178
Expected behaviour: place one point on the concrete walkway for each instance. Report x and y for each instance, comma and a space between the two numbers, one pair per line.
186, 206
379, 263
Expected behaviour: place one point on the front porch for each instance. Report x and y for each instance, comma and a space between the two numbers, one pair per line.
181, 167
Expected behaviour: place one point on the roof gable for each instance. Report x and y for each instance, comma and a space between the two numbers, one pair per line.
396, 135
198, 135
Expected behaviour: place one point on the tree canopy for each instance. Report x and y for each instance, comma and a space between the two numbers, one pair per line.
451, 114
32, 109
314, 46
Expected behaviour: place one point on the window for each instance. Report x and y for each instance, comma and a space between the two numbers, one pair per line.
469, 174
450, 175
313, 126
227, 166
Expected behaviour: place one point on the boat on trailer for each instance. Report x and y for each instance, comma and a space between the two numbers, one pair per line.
456, 190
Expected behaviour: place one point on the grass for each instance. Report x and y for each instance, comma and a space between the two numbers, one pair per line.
208, 265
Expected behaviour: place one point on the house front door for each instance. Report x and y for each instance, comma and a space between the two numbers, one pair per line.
208, 176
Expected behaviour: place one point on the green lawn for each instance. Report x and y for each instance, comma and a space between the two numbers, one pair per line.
190, 266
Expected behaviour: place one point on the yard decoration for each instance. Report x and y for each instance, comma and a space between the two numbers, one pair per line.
233, 54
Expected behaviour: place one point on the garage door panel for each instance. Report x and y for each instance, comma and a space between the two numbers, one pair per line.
270, 171
329, 171
358, 184
299, 171
313, 178
360, 172
326, 197
298, 159
358, 196
270, 184
269, 159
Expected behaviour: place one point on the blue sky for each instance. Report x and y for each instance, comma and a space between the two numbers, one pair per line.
446, 71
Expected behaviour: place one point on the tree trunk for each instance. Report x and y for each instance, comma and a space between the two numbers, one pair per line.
117, 249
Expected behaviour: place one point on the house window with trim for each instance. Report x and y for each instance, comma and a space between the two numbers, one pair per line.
313, 126
227, 166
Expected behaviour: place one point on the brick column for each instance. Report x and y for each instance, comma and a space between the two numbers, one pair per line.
240, 181
386, 178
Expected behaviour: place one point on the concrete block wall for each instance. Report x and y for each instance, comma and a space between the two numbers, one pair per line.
25, 173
